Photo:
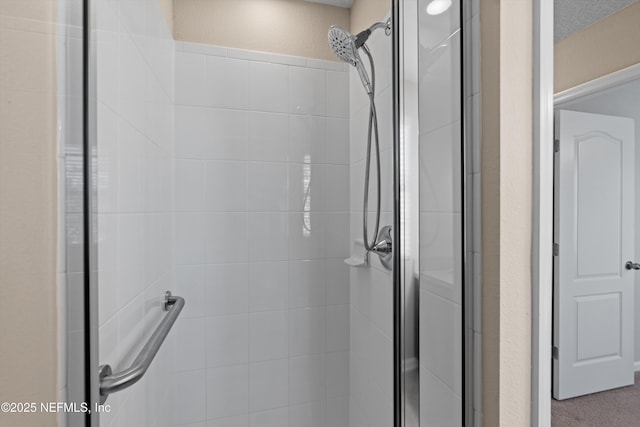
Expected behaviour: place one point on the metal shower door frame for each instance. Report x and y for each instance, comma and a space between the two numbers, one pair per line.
406, 259
402, 270
90, 153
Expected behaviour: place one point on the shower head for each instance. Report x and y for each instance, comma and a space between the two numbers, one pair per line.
346, 46
343, 45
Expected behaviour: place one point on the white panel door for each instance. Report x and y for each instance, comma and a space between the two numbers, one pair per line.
594, 230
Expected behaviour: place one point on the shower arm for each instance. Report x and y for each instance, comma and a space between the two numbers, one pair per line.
381, 25
360, 39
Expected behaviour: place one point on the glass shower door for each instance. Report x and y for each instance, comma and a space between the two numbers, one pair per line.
221, 175
441, 221
132, 203
431, 215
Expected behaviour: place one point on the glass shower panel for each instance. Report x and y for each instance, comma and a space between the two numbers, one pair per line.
72, 209
262, 230
221, 176
441, 248
134, 54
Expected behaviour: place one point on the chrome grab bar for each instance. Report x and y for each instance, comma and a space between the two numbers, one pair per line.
111, 383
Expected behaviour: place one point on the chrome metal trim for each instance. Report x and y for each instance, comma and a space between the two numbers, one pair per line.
469, 291
112, 383
406, 304
398, 394
90, 152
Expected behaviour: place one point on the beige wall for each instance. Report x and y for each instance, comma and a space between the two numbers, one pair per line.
291, 27
506, 43
167, 9
602, 48
366, 12
28, 209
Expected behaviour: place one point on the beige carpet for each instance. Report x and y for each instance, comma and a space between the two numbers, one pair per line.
613, 408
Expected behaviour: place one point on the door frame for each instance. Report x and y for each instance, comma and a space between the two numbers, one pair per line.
542, 220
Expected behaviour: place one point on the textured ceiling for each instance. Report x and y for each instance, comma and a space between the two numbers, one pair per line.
574, 15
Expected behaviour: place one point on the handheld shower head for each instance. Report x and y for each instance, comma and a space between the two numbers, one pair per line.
344, 47
342, 44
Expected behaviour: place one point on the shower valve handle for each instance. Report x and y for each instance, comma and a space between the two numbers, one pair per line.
383, 247
632, 265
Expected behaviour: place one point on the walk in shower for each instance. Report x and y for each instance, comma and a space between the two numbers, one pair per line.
313, 214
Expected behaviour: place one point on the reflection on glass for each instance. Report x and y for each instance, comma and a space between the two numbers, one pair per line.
440, 160
436, 7
306, 205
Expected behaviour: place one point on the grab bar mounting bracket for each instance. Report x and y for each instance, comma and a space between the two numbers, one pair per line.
103, 372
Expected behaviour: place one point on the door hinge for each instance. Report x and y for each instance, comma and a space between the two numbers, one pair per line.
556, 145
556, 249
555, 352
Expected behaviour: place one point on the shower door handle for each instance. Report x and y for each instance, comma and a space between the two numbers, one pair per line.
630, 265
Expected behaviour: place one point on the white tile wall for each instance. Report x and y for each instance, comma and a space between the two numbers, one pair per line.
269, 388
135, 208
227, 340
268, 286
268, 137
308, 139
370, 321
261, 230
268, 87
226, 82
271, 418
269, 335
308, 91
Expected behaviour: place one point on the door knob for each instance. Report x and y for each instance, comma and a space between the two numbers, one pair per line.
632, 265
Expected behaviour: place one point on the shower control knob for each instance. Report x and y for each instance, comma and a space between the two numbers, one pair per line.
383, 247
632, 265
